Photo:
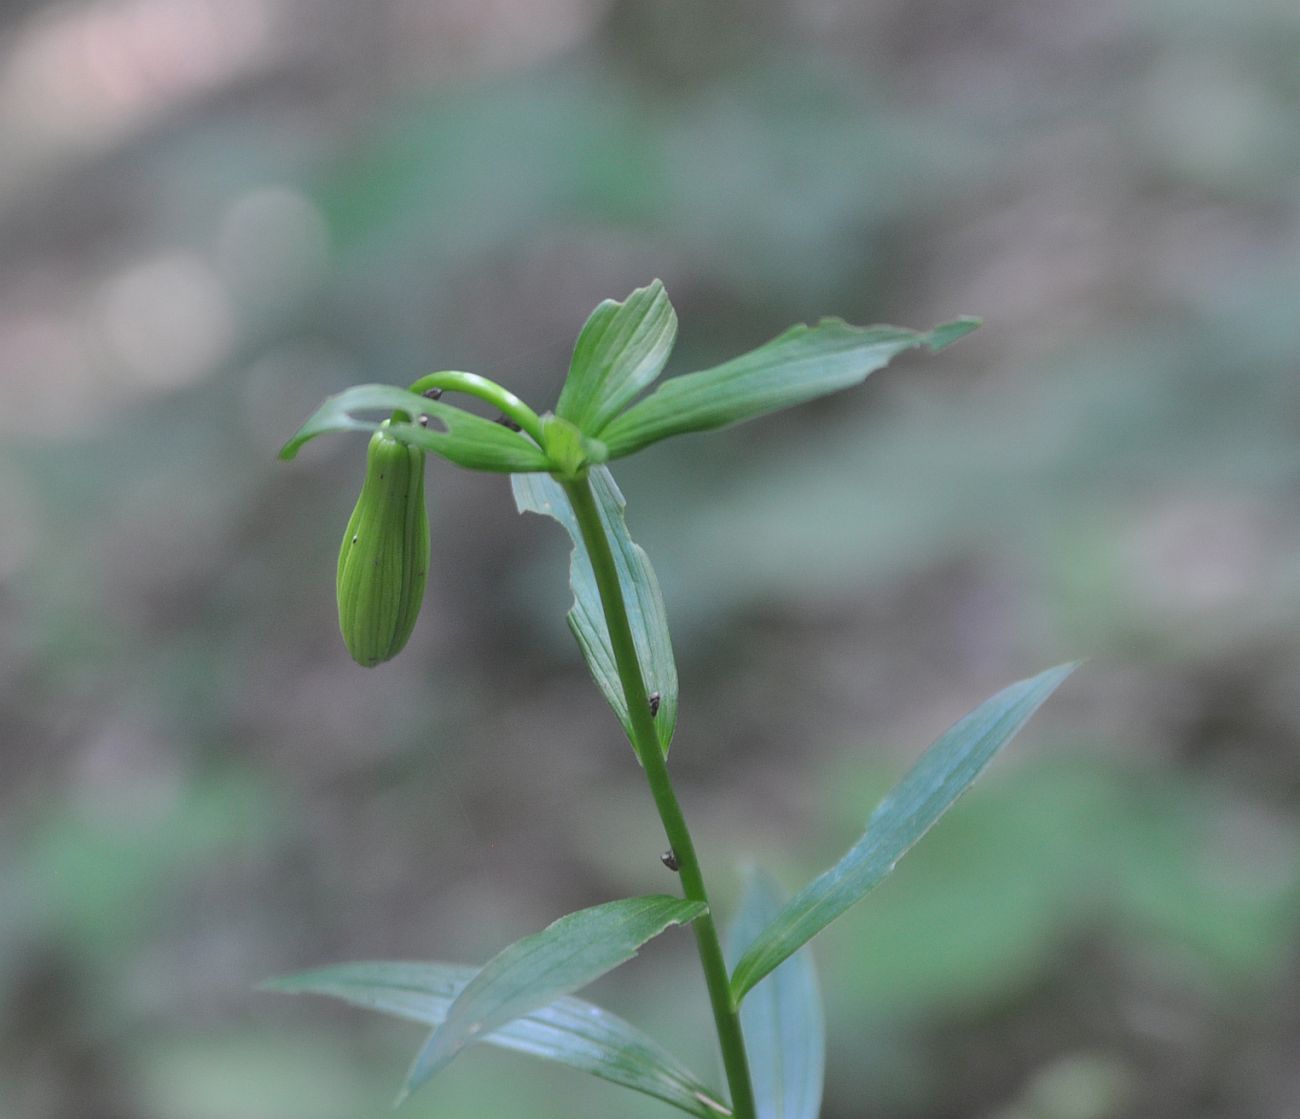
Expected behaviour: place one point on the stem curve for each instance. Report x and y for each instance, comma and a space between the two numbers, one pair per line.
485, 389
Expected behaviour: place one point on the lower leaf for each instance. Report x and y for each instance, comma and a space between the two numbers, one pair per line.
909, 810
785, 1031
569, 1031
539, 493
533, 972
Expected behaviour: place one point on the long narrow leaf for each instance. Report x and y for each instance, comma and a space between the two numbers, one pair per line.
466, 439
803, 363
568, 1031
621, 350
944, 772
566, 955
538, 493
785, 1031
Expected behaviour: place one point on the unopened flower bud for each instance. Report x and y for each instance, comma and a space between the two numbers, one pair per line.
384, 559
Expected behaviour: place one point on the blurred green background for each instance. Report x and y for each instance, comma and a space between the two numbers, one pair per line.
214, 212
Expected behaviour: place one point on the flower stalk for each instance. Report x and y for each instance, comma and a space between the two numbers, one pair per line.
726, 1015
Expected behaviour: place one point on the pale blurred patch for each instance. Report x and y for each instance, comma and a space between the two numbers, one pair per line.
273, 246
166, 321
1214, 120
458, 37
19, 535
47, 377
79, 77
1198, 553
72, 348
123, 774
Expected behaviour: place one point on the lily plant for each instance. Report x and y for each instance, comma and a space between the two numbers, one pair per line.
759, 976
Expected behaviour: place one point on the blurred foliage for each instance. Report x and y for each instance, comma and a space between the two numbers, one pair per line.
213, 213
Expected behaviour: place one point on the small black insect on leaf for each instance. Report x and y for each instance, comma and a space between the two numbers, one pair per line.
654, 704
669, 859
433, 394
506, 421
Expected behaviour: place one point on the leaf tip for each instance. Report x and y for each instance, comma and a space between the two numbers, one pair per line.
716, 1106
946, 334
279, 984
1059, 673
429, 1061
417, 1076
827, 322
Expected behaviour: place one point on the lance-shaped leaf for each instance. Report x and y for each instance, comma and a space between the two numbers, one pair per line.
564, 956
803, 363
465, 439
621, 350
944, 772
785, 1031
568, 1031
538, 493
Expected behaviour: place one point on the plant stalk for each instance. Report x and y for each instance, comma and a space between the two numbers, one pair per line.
472, 384
726, 1016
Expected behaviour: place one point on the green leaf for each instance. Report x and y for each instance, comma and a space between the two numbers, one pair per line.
568, 1031
785, 1031
537, 493
908, 811
621, 350
569, 452
944, 335
566, 955
803, 363
466, 439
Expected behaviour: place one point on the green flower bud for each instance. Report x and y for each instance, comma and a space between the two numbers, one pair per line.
385, 555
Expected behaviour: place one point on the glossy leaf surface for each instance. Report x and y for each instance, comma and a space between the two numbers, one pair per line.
785, 1031
909, 810
466, 439
538, 493
803, 363
534, 971
621, 350
568, 1031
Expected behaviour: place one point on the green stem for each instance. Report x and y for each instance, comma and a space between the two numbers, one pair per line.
506, 402
726, 1015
